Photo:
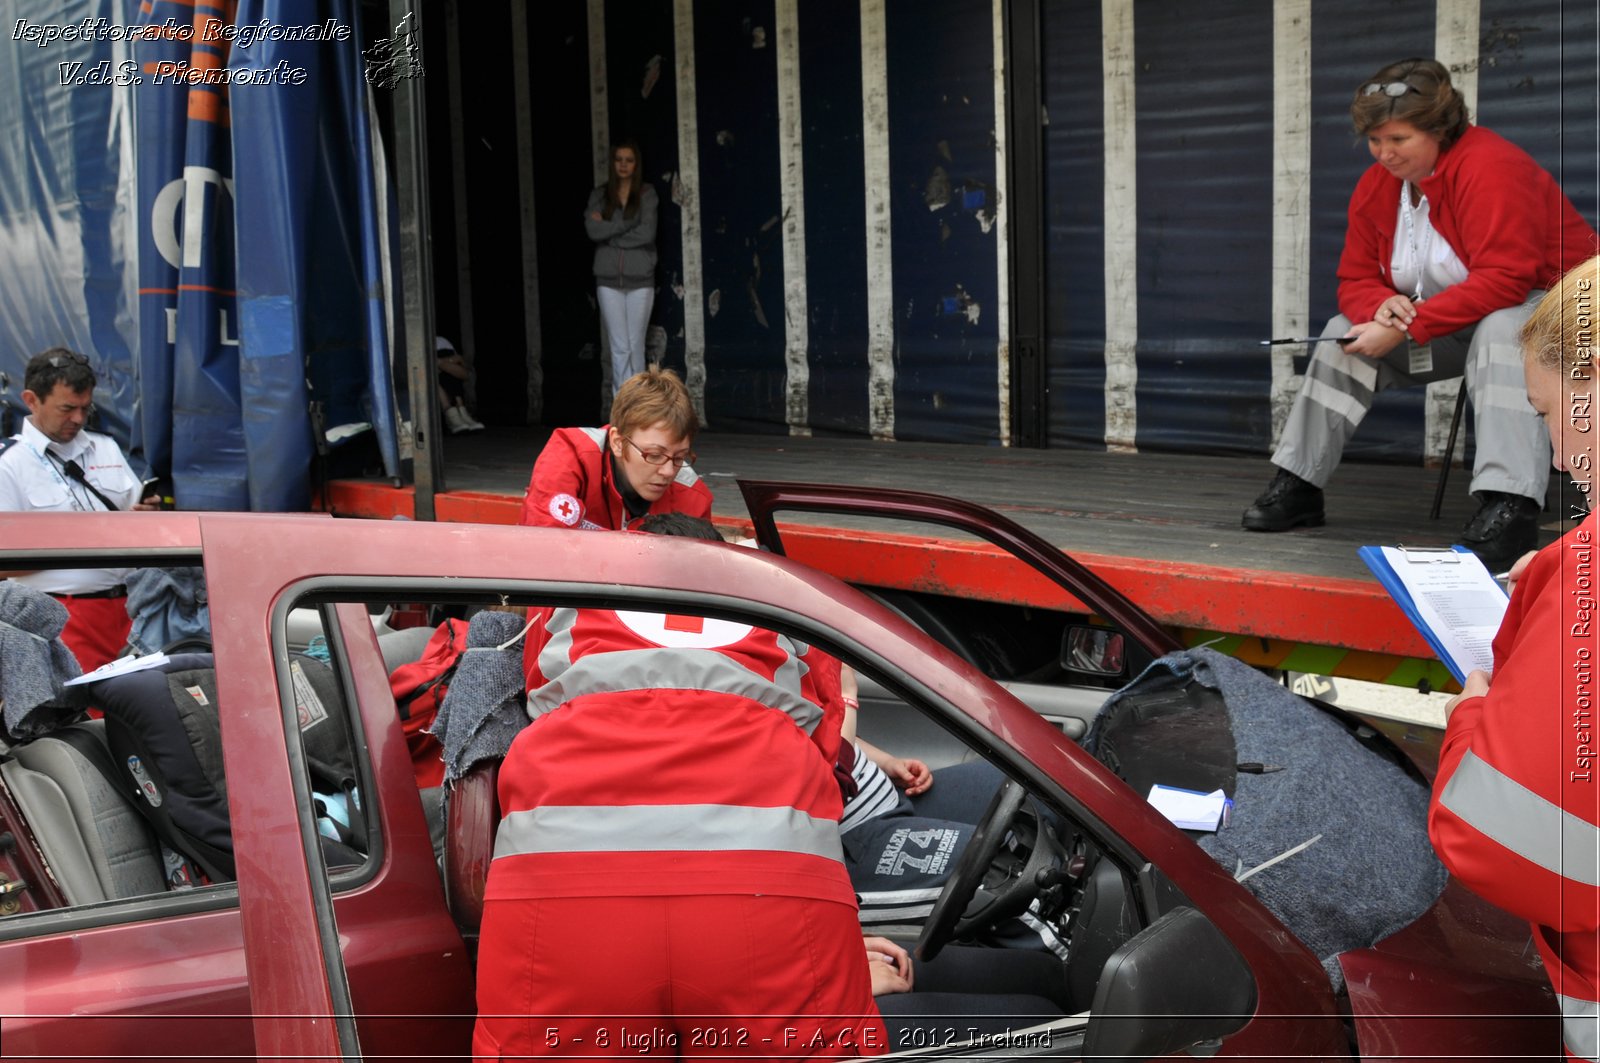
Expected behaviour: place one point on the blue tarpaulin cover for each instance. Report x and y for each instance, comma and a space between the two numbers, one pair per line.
210, 241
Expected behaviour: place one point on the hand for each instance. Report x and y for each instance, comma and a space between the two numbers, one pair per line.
910, 774
889, 965
1373, 340
1397, 311
1476, 686
1517, 570
151, 502
595, 214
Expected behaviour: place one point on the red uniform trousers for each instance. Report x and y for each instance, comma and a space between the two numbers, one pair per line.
693, 977
97, 629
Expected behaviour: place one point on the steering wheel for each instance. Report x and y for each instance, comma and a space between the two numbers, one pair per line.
987, 885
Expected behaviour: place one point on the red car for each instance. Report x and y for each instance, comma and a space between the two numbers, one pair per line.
293, 959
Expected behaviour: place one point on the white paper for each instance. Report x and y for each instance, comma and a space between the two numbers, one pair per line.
1459, 601
1188, 809
121, 666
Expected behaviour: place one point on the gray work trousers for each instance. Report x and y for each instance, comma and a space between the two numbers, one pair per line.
1513, 448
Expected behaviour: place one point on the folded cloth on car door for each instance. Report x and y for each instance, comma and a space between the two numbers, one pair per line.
167, 606
34, 663
1371, 873
483, 710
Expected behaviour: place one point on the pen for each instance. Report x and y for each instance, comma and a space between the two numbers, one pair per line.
1503, 575
1308, 339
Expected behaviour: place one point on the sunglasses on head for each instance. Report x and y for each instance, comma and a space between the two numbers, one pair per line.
60, 361
1394, 89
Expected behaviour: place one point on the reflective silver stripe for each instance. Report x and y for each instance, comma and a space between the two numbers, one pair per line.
597, 436
791, 672
1580, 1027
687, 477
556, 657
666, 828
1046, 932
869, 915
1519, 819
901, 896
670, 669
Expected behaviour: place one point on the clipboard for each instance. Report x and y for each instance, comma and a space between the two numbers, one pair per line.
1447, 646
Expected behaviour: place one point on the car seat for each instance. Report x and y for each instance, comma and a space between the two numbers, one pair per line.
96, 843
164, 733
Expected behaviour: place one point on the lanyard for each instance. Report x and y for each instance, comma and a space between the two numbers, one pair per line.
1410, 213
60, 477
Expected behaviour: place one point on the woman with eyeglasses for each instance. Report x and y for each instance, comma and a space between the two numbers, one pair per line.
1454, 233
640, 463
621, 220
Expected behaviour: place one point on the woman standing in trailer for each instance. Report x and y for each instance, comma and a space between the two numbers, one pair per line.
621, 220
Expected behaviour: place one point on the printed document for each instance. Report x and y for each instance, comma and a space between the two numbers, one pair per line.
1455, 601
1190, 809
121, 666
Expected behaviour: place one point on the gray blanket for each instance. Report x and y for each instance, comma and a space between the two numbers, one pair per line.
34, 663
1373, 871
483, 709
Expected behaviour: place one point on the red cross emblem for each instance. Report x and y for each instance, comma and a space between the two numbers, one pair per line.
566, 509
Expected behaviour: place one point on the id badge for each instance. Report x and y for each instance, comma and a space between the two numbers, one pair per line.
1421, 359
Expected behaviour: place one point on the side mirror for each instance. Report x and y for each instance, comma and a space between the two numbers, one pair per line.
1177, 984
1093, 651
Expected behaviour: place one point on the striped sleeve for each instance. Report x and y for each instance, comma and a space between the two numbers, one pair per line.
1515, 813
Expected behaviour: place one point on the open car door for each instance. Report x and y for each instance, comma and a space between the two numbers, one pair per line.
765, 498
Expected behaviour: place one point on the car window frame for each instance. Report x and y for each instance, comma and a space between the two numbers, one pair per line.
149, 907
335, 635
468, 590
212, 897
766, 498
1143, 881
337, 984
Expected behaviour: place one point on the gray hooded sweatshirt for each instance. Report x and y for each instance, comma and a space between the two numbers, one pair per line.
625, 248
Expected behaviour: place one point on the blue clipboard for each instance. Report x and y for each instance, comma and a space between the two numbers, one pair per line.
1373, 556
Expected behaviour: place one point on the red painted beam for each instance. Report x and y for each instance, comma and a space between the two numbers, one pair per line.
1335, 612
366, 498
1354, 614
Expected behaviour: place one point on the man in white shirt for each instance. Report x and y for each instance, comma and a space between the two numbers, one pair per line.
57, 465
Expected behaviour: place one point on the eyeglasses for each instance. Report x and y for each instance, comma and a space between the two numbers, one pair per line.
61, 361
1394, 89
657, 456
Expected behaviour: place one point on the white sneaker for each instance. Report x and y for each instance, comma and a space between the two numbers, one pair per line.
472, 423
455, 419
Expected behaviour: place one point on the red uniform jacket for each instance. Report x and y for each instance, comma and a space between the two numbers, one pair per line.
573, 487
1516, 806
668, 755
1502, 214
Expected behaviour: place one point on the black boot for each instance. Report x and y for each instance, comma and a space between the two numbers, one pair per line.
1505, 527
1288, 502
